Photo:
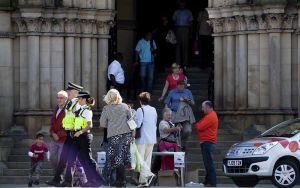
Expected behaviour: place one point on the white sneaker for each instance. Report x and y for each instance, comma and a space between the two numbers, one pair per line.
150, 180
143, 185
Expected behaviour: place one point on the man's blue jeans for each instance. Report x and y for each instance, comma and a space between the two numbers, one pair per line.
207, 150
146, 73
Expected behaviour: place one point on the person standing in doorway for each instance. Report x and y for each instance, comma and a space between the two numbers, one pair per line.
146, 117
115, 73
57, 132
207, 129
183, 19
205, 39
145, 51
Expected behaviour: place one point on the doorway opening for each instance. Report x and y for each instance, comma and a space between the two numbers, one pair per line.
149, 14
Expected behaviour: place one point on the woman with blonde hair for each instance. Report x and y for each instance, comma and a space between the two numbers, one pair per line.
114, 117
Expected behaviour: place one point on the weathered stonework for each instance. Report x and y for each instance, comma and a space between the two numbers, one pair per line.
265, 57
45, 47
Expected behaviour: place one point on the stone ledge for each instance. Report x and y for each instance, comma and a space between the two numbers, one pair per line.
257, 112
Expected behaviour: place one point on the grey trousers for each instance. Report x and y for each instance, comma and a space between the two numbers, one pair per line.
55, 151
182, 48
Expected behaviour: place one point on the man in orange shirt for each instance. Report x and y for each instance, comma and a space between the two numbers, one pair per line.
207, 129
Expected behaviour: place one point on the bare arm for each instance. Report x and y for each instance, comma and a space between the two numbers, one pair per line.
165, 89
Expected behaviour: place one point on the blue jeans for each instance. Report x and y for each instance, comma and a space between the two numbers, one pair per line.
146, 73
207, 149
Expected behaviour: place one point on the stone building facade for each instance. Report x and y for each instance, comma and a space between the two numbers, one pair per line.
43, 45
256, 57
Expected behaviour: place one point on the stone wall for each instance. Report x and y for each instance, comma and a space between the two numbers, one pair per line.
45, 44
256, 60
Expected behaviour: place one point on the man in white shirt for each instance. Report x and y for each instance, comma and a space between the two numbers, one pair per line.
146, 118
115, 73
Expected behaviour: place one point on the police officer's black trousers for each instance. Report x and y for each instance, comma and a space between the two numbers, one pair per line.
85, 157
67, 154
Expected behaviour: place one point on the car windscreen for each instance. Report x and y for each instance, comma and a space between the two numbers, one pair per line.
285, 129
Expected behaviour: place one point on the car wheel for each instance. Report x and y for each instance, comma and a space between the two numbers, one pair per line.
285, 174
245, 181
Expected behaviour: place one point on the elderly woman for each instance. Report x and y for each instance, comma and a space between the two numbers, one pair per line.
114, 117
169, 141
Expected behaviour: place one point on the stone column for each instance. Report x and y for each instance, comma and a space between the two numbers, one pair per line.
218, 63
57, 61
45, 72
94, 91
6, 86
45, 66
33, 50
69, 51
229, 73
16, 73
253, 63
286, 70
102, 68
86, 58
77, 61
241, 64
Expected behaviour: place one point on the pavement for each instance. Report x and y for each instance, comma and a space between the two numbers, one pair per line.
221, 185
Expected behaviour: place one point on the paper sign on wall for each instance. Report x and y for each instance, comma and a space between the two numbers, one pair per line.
179, 159
101, 158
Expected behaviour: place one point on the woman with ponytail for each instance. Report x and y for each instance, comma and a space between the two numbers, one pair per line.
83, 136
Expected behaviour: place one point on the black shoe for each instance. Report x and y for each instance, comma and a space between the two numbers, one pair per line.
65, 184
53, 183
36, 182
30, 183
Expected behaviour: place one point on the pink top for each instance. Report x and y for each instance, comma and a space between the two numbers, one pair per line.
172, 82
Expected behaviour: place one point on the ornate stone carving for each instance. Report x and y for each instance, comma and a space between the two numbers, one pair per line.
69, 25
87, 26
274, 21
104, 27
230, 24
262, 24
46, 25
22, 27
288, 21
57, 25
251, 22
217, 24
33, 24
77, 25
240, 23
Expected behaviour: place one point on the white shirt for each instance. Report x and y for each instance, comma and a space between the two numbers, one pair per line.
58, 111
116, 69
87, 114
149, 120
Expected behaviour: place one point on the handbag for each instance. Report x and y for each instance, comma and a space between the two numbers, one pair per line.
138, 130
130, 122
171, 37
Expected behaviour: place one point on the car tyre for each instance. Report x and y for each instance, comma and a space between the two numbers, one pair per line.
285, 174
245, 181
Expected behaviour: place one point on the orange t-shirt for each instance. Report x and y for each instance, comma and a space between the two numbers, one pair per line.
207, 128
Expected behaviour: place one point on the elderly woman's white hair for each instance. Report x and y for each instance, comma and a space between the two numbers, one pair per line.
113, 97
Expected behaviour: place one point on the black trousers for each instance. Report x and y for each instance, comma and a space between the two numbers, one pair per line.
68, 153
83, 143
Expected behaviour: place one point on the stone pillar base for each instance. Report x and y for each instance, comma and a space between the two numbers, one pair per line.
240, 121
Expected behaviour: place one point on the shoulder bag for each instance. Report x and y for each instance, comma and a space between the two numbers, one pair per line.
130, 122
138, 130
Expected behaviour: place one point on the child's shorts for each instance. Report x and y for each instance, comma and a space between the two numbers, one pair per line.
36, 167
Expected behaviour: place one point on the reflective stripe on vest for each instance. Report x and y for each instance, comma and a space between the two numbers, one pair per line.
80, 122
69, 119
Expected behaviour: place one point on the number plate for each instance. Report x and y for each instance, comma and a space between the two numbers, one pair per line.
234, 163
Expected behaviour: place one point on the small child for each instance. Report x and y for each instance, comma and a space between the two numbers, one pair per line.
36, 153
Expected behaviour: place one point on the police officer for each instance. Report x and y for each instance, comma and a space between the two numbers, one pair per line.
69, 152
82, 126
